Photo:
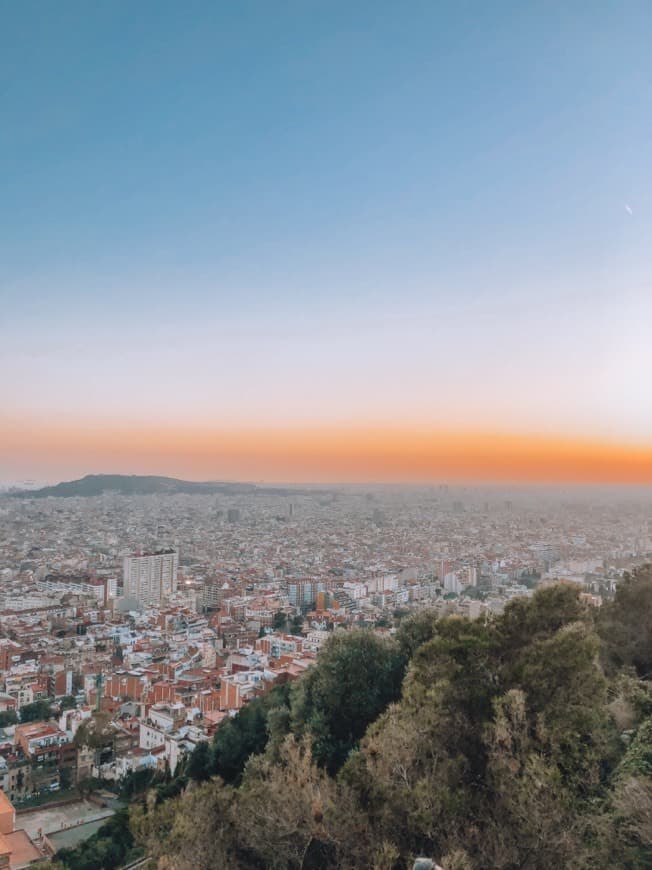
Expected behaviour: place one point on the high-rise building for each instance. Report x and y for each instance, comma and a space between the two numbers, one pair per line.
150, 577
303, 593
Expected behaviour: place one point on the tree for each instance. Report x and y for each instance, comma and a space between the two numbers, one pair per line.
416, 630
238, 738
246, 734
199, 762
532, 819
418, 774
109, 848
282, 807
625, 625
628, 818
525, 620
136, 782
65, 778
96, 732
194, 831
39, 710
68, 702
279, 621
8, 717
500, 745
356, 676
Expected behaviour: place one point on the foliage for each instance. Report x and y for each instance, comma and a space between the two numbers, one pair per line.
109, 848
416, 630
279, 621
8, 717
503, 723
36, 712
638, 758
199, 762
96, 732
193, 831
136, 782
65, 778
246, 734
237, 738
358, 674
625, 624
281, 810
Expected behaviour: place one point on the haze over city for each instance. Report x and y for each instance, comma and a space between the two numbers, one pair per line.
326, 241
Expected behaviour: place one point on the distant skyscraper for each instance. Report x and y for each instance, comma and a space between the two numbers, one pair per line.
150, 577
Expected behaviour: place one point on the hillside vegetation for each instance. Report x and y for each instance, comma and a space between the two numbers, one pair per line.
138, 484
521, 742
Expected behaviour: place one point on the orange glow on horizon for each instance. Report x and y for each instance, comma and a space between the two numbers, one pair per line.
341, 454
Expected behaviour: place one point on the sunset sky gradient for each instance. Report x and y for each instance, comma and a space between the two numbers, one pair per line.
323, 241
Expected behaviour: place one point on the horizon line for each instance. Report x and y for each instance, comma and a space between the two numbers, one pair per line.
322, 455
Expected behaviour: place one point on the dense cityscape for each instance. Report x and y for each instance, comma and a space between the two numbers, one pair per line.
168, 613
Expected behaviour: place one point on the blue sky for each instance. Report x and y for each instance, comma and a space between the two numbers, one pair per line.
327, 211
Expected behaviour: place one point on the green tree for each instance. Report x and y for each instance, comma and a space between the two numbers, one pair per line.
356, 676
8, 717
501, 743
416, 630
136, 782
246, 734
65, 778
282, 811
279, 621
39, 710
193, 831
625, 625
96, 732
199, 762
533, 820
628, 836
109, 848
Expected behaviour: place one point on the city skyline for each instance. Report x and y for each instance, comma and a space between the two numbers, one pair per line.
315, 242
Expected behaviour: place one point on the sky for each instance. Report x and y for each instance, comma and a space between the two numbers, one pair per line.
324, 240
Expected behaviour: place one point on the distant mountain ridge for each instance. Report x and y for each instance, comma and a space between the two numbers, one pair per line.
137, 484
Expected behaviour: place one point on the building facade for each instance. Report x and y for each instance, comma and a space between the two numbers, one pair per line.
150, 577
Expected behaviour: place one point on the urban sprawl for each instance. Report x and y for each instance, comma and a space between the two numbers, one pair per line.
169, 613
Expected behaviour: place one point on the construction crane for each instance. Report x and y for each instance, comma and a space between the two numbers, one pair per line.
99, 682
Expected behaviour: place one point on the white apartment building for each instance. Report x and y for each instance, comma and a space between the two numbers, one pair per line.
150, 577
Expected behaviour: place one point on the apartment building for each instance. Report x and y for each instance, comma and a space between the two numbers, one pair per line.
150, 577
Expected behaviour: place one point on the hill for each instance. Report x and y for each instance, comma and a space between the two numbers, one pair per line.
137, 484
